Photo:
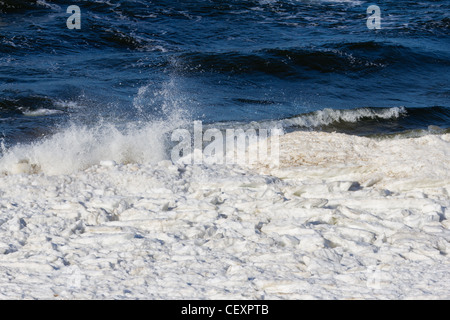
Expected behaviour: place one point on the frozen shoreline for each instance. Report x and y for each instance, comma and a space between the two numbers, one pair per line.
343, 217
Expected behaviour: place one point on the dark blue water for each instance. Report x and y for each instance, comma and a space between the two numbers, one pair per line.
233, 60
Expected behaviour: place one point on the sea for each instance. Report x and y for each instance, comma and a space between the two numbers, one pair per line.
124, 66
101, 199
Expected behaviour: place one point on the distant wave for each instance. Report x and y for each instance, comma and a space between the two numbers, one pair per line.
374, 121
328, 117
360, 121
346, 58
277, 62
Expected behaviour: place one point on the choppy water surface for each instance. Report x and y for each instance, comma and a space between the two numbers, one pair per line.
223, 61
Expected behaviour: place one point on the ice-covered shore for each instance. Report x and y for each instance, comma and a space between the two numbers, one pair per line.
342, 217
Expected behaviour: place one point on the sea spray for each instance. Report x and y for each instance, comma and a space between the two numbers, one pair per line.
79, 146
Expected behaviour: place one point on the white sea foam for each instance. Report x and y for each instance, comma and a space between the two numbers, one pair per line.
41, 112
342, 217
